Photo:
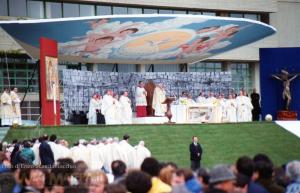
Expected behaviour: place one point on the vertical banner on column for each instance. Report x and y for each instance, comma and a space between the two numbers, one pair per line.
49, 93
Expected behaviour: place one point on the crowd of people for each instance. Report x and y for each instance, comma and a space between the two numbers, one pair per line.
43, 167
10, 110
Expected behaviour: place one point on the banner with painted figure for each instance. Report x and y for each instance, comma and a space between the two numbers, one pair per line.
154, 39
52, 82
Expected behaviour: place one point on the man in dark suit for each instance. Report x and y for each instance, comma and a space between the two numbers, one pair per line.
196, 153
46, 153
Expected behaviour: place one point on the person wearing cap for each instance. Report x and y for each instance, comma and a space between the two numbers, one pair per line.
195, 153
221, 180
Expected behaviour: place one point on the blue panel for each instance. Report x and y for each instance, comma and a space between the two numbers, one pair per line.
272, 60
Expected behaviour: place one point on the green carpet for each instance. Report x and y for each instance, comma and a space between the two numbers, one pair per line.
222, 143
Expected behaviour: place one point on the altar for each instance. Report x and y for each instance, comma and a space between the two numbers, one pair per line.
184, 114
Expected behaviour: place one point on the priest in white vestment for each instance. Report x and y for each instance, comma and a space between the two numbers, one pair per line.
130, 151
6, 108
201, 99
118, 110
141, 153
244, 108
231, 107
16, 106
80, 152
126, 110
140, 100
159, 96
96, 160
108, 109
92, 114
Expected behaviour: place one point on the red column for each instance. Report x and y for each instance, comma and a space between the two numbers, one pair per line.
48, 48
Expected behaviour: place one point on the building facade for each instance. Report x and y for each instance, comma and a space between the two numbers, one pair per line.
17, 69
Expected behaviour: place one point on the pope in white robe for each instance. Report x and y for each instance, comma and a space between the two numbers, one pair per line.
126, 110
16, 106
231, 106
159, 96
6, 108
108, 109
141, 153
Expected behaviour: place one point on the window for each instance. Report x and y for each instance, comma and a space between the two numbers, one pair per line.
87, 10
195, 12
132, 10
165, 11
103, 10
53, 10
206, 67
252, 16
150, 11
3, 8
35, 9
119, 10
70, 10
17, 8
179, 12
241, 76
209, 13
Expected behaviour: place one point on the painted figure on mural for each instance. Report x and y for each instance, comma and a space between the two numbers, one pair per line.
52, 78
286, 94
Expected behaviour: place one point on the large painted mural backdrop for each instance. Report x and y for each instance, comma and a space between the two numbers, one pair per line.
140, 38
79, 86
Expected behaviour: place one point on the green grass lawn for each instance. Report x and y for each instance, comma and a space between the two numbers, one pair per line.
222, 143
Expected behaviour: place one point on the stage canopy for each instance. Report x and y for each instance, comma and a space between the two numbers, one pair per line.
138, 39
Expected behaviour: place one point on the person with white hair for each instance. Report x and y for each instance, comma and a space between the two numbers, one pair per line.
293, 172
126, 110
159, 96
142, 152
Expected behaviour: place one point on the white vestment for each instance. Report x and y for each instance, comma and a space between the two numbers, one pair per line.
92, 115
96, 160
159, 96
118, 112
36, 151
126, 110
16, 107
6, 109
231, 106
201, 100
80, 152
108, 109
55, 149
131, 154
244, 108
141, 153
140, 97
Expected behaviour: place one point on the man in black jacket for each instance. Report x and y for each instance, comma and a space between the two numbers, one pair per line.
196, 153
46, 153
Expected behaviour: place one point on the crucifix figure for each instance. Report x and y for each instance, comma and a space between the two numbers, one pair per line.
286, 79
